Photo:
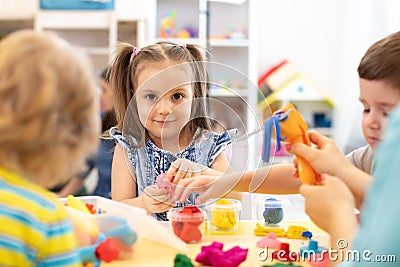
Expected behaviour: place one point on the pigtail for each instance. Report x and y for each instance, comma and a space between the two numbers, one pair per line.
120, 81
200, 105
123, 82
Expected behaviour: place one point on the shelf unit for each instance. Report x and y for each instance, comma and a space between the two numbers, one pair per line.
96, 32
226, 29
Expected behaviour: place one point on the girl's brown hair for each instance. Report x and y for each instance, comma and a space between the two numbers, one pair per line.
129, 62
382, 61
48, 113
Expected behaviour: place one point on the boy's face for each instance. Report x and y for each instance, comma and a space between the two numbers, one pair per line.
378, 99
164, 101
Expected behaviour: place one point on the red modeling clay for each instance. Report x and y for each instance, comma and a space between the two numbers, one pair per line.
284, 254
186, 222
213, 255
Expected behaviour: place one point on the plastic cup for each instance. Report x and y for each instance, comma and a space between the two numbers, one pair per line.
187, 223
223, 217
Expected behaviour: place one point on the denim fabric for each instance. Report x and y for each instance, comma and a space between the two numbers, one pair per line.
149, 161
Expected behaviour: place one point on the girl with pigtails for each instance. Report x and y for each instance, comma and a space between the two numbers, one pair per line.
160, 104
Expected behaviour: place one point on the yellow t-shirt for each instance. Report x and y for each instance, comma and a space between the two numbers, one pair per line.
34, 228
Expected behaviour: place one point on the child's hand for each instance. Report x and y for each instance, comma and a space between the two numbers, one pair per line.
325, 159
330, 204
156, 200
198, 184
184, 168
210, 186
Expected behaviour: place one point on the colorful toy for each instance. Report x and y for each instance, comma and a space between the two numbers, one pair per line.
264, 231
295, 232
284, 254
186, 223
182, 260
269, 241
213, 255
307, 234
167, 25
101, 237
290, 127
311, 249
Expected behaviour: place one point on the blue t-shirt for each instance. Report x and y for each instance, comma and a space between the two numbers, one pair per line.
378, 239
149, 161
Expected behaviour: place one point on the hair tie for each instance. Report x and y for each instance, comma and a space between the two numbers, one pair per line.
136, 50
184, 46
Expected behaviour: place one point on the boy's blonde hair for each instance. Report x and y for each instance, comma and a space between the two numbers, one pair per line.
48, 111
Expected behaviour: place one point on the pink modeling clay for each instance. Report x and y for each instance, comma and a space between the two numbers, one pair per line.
163, 183
213, 255
269, 241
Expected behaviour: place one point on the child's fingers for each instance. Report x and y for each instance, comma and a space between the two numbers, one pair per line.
181, 188
170, 174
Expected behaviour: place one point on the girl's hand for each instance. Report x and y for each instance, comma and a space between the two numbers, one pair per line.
329, 205
184, 168
156, 200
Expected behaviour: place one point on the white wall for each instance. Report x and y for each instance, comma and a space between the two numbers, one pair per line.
326, 40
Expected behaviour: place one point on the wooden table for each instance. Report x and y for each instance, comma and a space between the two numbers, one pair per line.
153, 254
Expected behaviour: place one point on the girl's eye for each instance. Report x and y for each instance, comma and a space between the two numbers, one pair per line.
366, 110
178, 96
150, 97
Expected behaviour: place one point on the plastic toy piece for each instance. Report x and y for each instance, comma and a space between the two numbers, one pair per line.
312, 248
284, 254
77, 204
264, 231
290, 127
307, 234
182, 260
213, 255
269, 241
295, 232
162, 183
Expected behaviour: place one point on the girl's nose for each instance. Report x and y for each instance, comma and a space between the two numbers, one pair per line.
164, 107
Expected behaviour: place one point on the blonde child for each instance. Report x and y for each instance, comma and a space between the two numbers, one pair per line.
160, 104
47, 128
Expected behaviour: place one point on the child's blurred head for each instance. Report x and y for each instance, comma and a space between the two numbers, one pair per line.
48, 113
379, 72
163, 79
106, 97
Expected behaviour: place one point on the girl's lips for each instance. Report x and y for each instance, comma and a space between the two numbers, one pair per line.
163, 122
